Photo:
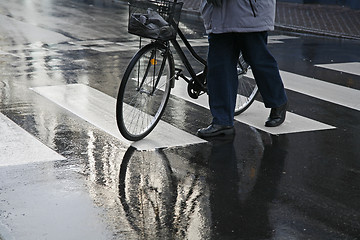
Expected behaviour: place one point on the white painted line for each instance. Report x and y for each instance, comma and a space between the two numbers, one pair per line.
6, 53
115, 48
91, 42
281, 37
344, 96
99, 109
351, 67
17, 146
195, 43
28, 32
257, 114
330, 92
106, 46
70, 47
270, 41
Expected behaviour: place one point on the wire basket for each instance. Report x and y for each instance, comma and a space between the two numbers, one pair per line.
155, 19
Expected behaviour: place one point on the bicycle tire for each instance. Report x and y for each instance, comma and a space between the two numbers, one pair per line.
247, 88
141, 101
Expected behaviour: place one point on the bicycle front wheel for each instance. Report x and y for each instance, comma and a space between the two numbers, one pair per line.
144, 91
247, 88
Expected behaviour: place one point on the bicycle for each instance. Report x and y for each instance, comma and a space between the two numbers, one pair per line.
146, 84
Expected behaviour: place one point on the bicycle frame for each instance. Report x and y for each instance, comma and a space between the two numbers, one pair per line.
185, 61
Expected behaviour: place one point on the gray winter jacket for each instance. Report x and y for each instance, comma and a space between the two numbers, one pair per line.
239, 16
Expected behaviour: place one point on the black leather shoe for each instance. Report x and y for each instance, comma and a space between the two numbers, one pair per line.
216, 130
277, 116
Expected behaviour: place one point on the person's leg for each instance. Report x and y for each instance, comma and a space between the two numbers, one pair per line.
222, 77
264, 68
221, 83
267, 76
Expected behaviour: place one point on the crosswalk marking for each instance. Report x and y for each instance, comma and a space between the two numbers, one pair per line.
31, 32
351, 67
256, 115
105, 46
330, 92
108, 46
99, 109
8, 53
271, 39
19, 147
282, 37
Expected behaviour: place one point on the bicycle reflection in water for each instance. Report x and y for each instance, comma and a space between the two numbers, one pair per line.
210, 192
162, 203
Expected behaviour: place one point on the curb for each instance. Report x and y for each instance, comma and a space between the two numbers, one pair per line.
318, 32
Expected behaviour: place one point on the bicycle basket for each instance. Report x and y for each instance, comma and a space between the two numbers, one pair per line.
156, 19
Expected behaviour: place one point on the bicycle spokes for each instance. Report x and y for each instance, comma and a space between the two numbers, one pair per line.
152, 74
144, 91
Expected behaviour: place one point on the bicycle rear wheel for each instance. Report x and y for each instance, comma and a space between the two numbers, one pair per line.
144, 91
247, 88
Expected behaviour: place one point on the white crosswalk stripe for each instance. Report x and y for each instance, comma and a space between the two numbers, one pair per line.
108, 46
351, 67
333, 93
343, 96
20, 147
99, 109
257, 113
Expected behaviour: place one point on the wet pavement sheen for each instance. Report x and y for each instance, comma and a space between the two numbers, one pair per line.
90, 184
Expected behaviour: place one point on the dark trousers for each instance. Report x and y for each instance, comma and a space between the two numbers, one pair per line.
224, 50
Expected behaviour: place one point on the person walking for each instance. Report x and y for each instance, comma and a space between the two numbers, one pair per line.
233, 26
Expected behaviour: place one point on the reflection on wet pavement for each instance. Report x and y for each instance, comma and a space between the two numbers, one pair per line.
303, 185
211, 193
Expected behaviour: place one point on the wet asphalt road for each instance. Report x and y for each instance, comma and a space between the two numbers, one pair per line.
67, 177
